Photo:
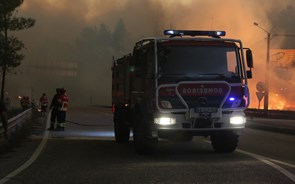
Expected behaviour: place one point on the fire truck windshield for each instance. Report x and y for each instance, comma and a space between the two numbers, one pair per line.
196, 60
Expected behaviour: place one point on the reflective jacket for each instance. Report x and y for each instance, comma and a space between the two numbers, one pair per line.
63, 102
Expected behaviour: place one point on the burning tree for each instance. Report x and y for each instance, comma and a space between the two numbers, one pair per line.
10, 46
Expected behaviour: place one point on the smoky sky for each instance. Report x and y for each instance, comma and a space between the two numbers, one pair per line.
85, 35
283, 23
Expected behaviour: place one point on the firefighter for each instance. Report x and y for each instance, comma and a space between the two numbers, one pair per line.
54, 108
63, 101
43, 103
24, 102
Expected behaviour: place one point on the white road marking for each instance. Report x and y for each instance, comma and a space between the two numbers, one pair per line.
283, 163
33, 157
268, 162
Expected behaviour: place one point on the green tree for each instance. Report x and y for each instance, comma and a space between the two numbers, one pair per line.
10, 46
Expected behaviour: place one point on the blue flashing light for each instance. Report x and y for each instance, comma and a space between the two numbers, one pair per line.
169, 32
219, 33
231, 99
173, 33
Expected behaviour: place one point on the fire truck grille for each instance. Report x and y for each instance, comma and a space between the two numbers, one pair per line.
210, 101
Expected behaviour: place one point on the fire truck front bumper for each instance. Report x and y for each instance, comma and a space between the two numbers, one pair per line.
199, 125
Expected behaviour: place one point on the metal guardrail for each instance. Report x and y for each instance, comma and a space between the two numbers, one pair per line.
16, 121
276, 114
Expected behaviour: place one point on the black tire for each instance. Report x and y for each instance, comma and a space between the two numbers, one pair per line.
143, 142
224, 142
121, 128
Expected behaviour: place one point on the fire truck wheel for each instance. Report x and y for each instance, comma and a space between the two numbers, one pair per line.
142, 141
225, 142
122, 130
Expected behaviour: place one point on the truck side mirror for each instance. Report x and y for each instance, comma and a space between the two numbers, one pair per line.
249, 58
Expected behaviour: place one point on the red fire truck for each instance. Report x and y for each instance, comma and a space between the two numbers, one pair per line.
188, 83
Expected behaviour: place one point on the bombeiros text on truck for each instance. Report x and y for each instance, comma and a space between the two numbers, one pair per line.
188, 83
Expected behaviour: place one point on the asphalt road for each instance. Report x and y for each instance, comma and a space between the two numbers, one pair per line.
86, 153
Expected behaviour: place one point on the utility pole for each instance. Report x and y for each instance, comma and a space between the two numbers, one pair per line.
266, 95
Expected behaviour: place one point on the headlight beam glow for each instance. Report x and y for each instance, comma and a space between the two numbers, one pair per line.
165, 121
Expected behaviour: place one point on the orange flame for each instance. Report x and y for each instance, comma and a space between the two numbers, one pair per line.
277, 102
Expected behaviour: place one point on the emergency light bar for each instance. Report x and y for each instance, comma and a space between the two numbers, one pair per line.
174, 33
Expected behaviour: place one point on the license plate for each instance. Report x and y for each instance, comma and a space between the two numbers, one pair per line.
205, 109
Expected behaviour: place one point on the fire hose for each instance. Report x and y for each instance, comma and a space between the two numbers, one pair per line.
83, 124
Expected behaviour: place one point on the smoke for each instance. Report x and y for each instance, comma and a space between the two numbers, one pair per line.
82, 36
282, 68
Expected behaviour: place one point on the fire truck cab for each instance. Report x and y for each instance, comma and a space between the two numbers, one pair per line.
188, 83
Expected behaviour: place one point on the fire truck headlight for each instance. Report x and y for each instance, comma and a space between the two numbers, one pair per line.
165, 121
166, 104
237, 120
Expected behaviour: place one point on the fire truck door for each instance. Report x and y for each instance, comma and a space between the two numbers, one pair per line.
143, 84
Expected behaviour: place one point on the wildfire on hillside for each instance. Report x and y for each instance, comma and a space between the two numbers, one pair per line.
276, 102
281, 82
